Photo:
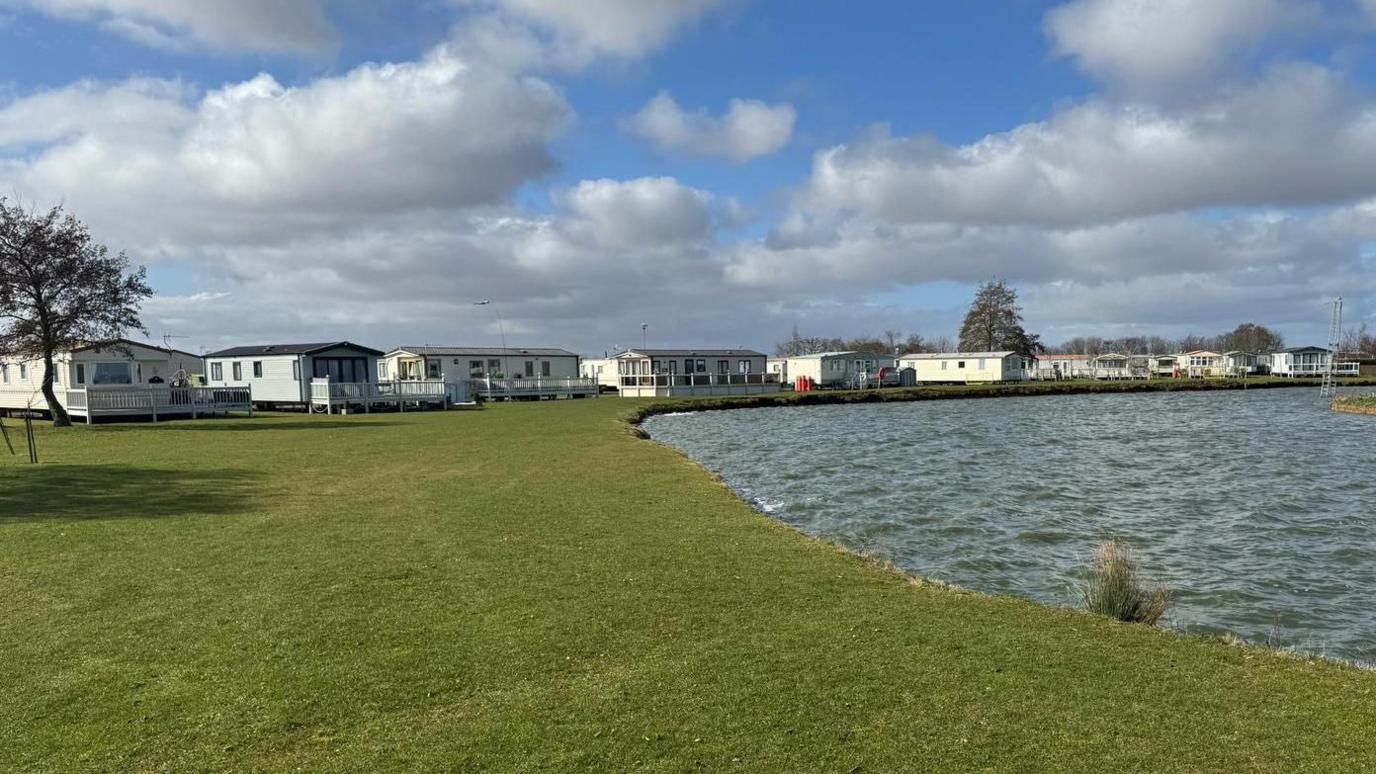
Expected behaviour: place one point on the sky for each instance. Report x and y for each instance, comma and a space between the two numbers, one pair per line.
720, 171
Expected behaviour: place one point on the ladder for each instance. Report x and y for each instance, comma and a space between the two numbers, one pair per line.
1335, 341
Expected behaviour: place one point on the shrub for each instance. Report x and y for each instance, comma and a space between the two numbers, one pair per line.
1114, 587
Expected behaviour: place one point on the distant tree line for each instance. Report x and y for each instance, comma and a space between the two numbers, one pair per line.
1247, 337
994, 324
890, 342
1358, 340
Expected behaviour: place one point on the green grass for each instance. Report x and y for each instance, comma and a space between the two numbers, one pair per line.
1357, 404
532, 588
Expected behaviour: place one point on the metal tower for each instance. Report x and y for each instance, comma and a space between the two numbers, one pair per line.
1335, 341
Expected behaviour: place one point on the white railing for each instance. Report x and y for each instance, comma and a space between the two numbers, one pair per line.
328, 394
696, 380
155, 400
1318, 369
540, 386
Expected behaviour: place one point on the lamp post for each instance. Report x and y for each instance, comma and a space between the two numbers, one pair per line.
501, 329
643, 327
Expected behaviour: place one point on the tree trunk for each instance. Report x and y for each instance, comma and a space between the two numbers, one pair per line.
60, 418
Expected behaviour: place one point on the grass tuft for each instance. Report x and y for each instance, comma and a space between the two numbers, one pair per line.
1114, 587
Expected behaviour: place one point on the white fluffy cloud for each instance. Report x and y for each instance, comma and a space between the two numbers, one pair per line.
1159, 45
1298, 137
256, 157
749, 128
253, 25
580, 32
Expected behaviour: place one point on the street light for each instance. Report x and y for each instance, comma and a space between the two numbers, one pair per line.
643, 328
501, 328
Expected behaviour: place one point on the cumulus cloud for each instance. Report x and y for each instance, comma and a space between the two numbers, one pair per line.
297, 26
441, 132
581, 32
1298, 137
1156, 46
749, 128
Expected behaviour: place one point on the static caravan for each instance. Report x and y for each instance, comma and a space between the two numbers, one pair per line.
122, 363
1298, 362
1112, 365
282, 373
1064, 366
963, 367
778, 365
838, 369
123, 379
670, 372
492, 372
601, 370
1200, 364
1238, 363
456, 364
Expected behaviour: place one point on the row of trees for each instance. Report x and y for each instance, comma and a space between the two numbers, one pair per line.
1247, 337
888, 342
1358, 340
60, 289
993, 323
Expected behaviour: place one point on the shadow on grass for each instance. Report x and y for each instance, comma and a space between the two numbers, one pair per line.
246, 425
78, 492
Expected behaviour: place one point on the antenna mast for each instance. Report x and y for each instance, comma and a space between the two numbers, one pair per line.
1335, 341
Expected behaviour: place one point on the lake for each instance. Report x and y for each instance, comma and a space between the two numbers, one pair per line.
1258, 507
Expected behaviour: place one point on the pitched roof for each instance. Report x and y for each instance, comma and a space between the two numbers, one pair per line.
449, 351
950, 355
1064, 357
687, 352
839, 353
288, 349
1305, 349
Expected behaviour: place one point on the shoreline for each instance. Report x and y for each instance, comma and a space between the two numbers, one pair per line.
659, 406
635, 419
1355, 404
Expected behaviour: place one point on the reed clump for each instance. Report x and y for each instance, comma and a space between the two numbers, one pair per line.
1115, 587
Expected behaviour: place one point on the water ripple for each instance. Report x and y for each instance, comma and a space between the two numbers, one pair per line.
1257, 506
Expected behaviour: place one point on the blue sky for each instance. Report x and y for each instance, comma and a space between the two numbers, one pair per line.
1123, 168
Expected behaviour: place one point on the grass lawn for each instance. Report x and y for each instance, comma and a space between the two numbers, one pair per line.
531, 588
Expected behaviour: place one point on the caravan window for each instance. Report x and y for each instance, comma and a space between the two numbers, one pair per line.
57, 373
238, 371
257, 369
296, 370
432, 369
723, 366
112, 373
744, 366
544, 367
23, 371
4, 373
217, 372
475, 368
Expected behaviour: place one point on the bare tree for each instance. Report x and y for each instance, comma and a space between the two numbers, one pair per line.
59, 290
